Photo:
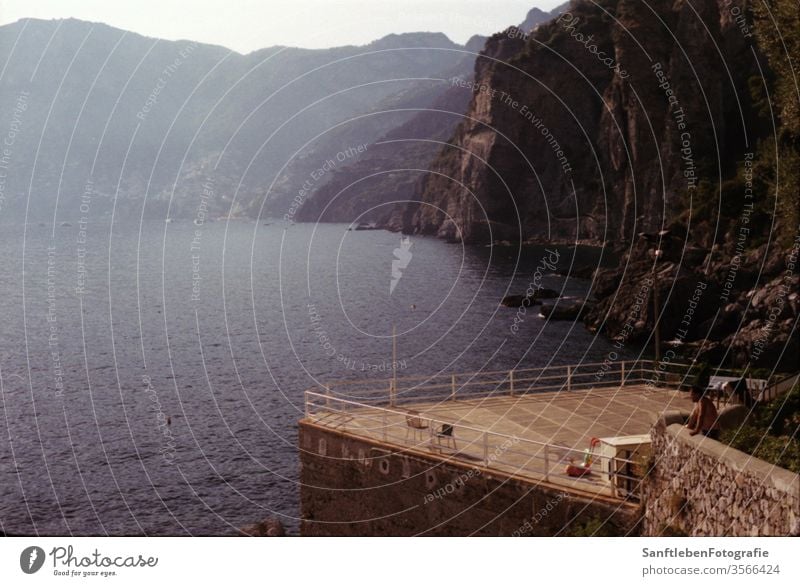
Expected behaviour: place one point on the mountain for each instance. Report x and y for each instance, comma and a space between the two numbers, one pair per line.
388, 172
124, 117
392, 170
536, 16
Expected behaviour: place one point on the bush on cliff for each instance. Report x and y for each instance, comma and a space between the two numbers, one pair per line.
594, 527
781, 17
770, 432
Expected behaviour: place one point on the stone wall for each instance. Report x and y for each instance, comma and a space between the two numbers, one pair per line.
700, 486
353, 486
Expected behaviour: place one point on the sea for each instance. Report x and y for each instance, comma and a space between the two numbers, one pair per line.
152, 373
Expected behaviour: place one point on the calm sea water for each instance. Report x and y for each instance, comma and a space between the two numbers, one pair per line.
108, 330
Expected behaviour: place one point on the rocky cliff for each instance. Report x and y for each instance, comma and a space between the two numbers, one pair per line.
726, 286
715, 305
622, 119
598, 124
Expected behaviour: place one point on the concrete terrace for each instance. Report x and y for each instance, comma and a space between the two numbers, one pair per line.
532, 434
569, 418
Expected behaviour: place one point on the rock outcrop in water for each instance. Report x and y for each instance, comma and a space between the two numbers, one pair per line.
270, 527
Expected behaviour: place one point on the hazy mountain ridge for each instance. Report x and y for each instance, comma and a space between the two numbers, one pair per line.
390, 114
135, 115
537, 16
366, 189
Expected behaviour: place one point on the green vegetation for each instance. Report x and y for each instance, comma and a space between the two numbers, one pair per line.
777, 26
777, 30
770, 433
775, 102
594, 527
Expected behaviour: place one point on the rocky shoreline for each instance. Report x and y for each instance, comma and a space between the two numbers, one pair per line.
715, 306
708, 311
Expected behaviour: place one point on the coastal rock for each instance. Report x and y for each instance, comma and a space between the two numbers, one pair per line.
605, 282
528, 300
545, 293
766, 344
564, 309
518, 301
578, 271
626, 301
270, 527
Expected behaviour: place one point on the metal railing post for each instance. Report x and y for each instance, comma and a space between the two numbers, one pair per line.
569, 378
384, 424
612, 465
546, 463
486, 449
622, 373
453, 387
511, 382
392, 393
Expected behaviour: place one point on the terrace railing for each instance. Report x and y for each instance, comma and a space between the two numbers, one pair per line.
471, 445
474, 385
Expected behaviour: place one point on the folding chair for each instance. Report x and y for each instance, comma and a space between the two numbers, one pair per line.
446, 433
415, 426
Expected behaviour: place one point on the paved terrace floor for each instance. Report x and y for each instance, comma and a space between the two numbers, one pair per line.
567, 418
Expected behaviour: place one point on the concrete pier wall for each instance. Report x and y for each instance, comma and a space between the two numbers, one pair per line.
351, 485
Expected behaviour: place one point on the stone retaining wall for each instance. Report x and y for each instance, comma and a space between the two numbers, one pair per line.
700, 486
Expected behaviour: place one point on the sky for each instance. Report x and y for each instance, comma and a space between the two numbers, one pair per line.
247, 25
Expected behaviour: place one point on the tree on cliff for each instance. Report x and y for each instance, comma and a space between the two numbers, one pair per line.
777, 31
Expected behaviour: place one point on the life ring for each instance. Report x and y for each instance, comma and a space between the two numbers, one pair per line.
577, 471
585, 468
